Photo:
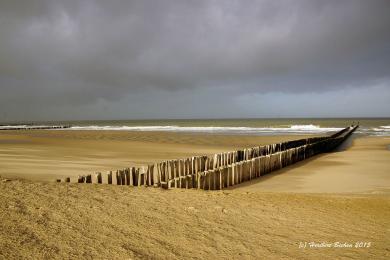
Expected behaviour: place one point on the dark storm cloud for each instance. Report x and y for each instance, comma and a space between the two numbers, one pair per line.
78, 52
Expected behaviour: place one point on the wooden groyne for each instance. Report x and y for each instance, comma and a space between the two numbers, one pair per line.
32, 127
221, 170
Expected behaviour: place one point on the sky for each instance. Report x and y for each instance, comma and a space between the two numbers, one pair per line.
124, 59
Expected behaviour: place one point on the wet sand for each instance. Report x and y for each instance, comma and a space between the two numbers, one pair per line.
47, 155
362, 168
333, 198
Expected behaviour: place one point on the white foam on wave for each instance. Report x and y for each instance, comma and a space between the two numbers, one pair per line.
305, 127
213, 129
375, 131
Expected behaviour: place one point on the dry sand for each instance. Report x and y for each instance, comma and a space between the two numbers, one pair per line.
45, 220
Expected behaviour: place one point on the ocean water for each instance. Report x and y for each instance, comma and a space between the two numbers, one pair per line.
369, 126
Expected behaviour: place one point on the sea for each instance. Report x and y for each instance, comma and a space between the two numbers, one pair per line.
249, 126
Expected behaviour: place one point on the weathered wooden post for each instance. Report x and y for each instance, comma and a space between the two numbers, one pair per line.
176, 168
74, 179
123, 176
182, 167
190, 181
95, 178
88, 178
105, 178
215, 161
218, 178
241, 172
156, 175
117, 177
267, 163
141, 176
230, 177
206, 180
214, 178
262, 165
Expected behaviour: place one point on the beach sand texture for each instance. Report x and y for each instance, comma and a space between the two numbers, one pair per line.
47, 155
336, 197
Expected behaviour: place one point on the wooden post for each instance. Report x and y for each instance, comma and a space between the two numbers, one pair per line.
156, 175
171, 184
261, 165
240, 172
225, 176
151, 174
230, 176
116, 178
212, 179
203, 163
182, 167
244, 170
177, 182
190, 166
133, 177
74, 179
88, 178
235, 173
141, 176
248, 169
176, 170
189, 181
171, 170
205, 180
105, 178
199, 180
220, 178
123, 176
253, 168
163, 177
215, 161
257, 167
267, 163
94, 178
274, 161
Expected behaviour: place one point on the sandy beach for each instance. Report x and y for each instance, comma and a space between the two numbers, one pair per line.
363, 167
47, 155
341, 197
194, 129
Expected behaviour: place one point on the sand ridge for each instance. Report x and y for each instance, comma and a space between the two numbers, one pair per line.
56, 221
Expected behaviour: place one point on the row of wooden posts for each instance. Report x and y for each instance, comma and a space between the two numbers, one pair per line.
220, 170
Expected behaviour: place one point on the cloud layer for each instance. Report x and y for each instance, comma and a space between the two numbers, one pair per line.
77, 54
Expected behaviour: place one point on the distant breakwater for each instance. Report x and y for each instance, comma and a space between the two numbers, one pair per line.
33, 127
221, 170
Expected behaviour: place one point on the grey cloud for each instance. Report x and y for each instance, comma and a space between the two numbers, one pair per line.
78, 52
